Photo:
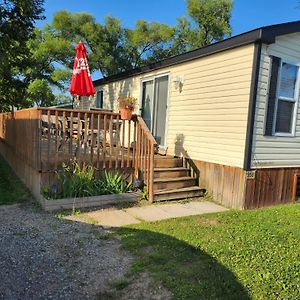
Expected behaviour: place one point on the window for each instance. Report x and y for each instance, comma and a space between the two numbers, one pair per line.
99, 99
283, 94
287, 98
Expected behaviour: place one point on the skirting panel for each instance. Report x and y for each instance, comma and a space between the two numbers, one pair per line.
225, 184
271, 186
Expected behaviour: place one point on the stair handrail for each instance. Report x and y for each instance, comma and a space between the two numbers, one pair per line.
145, 128
144, 156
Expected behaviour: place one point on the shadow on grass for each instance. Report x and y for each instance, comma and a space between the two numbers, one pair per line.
188, 272
12, 190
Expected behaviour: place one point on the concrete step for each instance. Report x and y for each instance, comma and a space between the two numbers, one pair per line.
171, 172
167, 162
173, 183
179, 194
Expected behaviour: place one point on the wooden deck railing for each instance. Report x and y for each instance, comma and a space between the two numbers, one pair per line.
144, 155
44, 138
99, 138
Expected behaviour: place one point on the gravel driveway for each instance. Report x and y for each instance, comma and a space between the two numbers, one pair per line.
44, 257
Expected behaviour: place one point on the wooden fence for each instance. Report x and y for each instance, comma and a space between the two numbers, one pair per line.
19, 131
44, 138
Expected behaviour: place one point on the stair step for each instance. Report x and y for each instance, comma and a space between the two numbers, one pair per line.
167, 162
178, 194
173, 183
171, 172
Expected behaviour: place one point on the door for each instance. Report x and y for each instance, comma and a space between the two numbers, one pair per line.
154, 107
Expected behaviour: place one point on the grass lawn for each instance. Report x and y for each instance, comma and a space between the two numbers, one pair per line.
12, 190
232, 255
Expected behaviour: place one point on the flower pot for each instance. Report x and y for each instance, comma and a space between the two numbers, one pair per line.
126, 113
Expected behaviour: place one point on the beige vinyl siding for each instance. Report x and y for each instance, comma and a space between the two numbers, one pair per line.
275, 151
113, 90
84, 102
207, 120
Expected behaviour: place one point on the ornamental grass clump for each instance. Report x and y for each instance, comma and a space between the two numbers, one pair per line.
74, 181
113, 183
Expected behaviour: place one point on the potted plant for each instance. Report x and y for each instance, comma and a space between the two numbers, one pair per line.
127, 105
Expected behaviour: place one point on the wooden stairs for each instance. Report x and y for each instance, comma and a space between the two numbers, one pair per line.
172, 181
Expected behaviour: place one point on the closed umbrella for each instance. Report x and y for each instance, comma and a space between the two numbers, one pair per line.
81, 84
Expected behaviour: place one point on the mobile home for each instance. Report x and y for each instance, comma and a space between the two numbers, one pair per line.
230, 108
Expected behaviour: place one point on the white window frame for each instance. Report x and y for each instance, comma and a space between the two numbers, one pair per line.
295, 100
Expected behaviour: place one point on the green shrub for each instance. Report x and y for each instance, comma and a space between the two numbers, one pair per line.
113, 183
74, 181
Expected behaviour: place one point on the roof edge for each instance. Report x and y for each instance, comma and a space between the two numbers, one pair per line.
266, 34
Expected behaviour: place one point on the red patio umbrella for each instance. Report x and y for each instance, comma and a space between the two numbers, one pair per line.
81, 84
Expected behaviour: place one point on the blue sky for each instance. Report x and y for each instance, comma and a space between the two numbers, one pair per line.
246, 14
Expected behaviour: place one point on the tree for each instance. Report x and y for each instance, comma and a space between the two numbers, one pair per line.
37, 63
210, 21
49, 67
113, 49
17, 19
105, 42
147, 42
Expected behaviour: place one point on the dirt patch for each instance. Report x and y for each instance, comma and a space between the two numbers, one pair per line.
142, 287
210, 222
46, 257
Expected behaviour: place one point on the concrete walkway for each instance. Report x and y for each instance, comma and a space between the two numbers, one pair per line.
155, 212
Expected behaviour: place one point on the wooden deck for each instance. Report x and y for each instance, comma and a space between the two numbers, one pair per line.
44, 138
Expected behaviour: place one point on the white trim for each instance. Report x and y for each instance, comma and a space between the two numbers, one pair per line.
153, 93
167, 112
162, 74
294, 100
147, 78
284, 134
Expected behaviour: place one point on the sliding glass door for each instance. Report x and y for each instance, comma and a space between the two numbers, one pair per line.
154, 106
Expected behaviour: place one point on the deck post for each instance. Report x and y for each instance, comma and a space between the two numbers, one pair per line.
151, 177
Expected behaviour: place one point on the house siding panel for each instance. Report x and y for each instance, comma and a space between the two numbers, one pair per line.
207, 120
275, 151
